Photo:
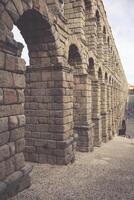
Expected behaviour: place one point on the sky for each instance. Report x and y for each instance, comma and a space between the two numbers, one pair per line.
18, 37
120, 15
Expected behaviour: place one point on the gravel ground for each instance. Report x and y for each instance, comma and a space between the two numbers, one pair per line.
130, 128
105, 174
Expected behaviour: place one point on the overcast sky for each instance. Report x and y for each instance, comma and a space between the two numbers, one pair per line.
121, 18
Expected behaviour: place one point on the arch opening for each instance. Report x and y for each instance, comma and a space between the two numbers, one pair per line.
104, 30
87, 4
91, 69
34, 28
110, 79
108, 41
19, 38
106, 77
74, 58
97, 15
100, 74
39, 39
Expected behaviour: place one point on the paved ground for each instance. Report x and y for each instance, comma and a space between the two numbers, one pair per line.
130, 128
105, 174
130, 121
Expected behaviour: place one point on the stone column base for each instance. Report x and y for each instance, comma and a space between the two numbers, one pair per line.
104, 127
51, 151
110, 134
16, 182
97, 131
85, 138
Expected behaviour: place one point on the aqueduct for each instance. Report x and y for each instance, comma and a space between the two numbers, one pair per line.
71, 97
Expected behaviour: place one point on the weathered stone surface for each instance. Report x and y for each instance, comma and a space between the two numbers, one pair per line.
9, 110
10, 62
4, 1
3, 192
19, 80
22, 120
4, 138
12, 148
21, 97
16, 134
2, 170
10, 166
1, 96
21, 65
12, 182
7, 19
19, 6
4, 152
19, 145
2, 60
12, 11
72, 99
10, 96
13, 122
19, 161
3, 124
6, 79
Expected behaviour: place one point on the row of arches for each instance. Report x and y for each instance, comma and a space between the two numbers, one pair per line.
30, 98
107, 42
95, 13
53, 106
103, 98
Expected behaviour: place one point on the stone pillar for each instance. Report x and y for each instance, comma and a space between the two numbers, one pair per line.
83, 126
74, 12
115, 110
105, 51
119, 108
111, 114
112, 105
104, 113
14, 172
109, 111
96, 117
49, 114
100, 48
91, 33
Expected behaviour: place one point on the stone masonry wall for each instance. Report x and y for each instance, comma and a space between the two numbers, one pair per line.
72, 96
13, 171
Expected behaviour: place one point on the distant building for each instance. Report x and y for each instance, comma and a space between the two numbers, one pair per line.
131, 89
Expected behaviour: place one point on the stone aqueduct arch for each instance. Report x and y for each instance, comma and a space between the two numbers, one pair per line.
70, 101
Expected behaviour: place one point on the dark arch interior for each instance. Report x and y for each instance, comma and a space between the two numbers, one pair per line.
110, 79
87, 4
74, 56
108, 40
104, 30
99, 73
38, 36
97, 16
91, 70
61, 1
106, 77
36, 31
34, 28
